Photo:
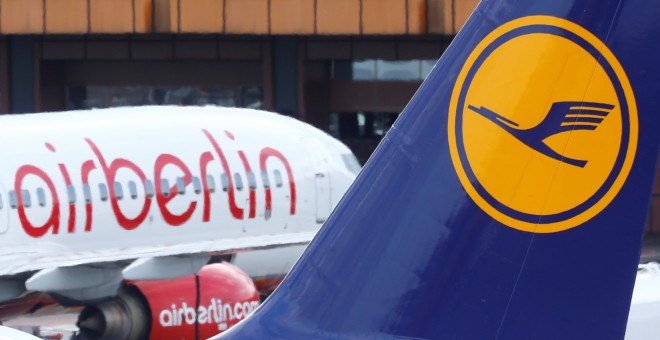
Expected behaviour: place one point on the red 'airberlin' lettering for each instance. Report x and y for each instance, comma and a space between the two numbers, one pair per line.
109, 171
204, 160
110, 174
263, 157
53, 221
235, 210
161, 199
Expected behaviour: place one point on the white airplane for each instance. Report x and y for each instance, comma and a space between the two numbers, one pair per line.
93, 203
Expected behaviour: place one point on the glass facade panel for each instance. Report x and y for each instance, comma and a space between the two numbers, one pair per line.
116, 96
398, 70
379, 69
361, 124
364, 70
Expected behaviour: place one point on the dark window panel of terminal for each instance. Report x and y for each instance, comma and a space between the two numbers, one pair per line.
361, 131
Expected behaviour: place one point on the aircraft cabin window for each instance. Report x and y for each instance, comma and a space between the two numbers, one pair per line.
265, 179
27, 201
13, 202
225, 182
210, 183
165, 187
197, 185
149, 188
87, 192
1, 203
71, 193
41, 197
132, 189
180, 186
119, 190
278, 178
252, 181
103, 191
238, 181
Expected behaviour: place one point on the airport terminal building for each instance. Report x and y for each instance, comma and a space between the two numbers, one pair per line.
346, 66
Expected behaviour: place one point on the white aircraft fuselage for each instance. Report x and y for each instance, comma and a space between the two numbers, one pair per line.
91, 187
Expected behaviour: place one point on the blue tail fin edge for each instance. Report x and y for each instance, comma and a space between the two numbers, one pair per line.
409, 253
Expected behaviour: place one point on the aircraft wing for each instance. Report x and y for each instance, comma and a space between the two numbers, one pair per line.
90, 275
53, 256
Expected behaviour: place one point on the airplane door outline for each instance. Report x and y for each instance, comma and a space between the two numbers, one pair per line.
321, 180
322, 185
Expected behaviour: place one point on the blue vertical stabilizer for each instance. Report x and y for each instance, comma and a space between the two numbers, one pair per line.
509, 199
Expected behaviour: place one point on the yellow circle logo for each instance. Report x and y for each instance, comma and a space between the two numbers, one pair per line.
542, 125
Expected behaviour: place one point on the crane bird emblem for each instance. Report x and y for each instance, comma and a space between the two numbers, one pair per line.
562, 117
542, 124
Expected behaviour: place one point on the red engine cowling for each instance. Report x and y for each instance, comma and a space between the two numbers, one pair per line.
184, 308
